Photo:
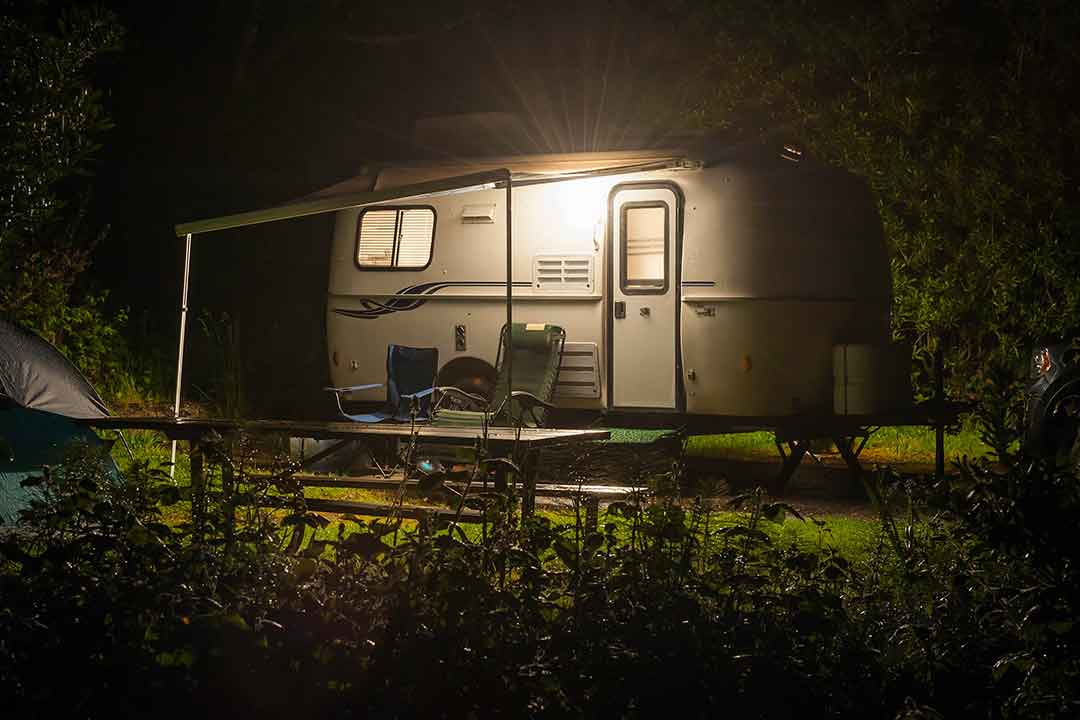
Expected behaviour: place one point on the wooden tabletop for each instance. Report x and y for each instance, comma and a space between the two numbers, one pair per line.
188, 428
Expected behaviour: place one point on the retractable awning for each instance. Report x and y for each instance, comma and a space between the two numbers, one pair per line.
401, 181
344, 201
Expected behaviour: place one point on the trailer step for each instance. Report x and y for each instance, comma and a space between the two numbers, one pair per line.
377, 482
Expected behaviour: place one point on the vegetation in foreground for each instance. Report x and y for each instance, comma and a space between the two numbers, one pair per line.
963, 605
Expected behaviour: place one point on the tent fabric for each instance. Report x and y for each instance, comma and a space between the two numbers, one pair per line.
36, 375
29, 440
41, 395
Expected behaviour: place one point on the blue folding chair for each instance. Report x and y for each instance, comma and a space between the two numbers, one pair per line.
410, 380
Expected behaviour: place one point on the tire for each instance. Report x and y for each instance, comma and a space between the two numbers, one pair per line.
470, 374
1054, 419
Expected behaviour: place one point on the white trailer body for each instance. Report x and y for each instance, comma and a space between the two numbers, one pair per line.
706, 288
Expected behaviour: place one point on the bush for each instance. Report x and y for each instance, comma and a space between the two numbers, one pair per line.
964, 608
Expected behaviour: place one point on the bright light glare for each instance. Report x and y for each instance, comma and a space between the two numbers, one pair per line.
579, 203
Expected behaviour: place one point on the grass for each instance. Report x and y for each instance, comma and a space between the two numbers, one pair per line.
851, 537
150, 447
887, 445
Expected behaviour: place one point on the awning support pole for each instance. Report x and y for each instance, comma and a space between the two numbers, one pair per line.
180, 348
509, 295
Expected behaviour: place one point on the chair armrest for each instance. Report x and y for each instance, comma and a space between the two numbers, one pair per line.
525, 399
419, 393
351, 388
462, 395
529, 401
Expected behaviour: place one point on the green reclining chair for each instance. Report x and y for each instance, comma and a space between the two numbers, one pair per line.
537, 351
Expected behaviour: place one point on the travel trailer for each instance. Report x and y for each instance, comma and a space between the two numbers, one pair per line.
755, 285
719, 290
715, 291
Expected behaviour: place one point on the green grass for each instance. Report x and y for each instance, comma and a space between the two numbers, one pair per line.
634, 435
752, 444
153, 448
851, 537
887, 445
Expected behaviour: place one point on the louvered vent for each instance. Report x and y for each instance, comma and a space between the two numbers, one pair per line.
579, 371
563, 273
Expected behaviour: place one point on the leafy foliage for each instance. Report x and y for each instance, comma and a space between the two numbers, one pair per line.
962, 118
225, 383
964, 608
50, 119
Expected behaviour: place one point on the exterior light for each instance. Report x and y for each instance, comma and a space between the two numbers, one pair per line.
1041, 362
580, 203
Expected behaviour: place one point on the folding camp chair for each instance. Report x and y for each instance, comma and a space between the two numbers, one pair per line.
537, 351
410, 380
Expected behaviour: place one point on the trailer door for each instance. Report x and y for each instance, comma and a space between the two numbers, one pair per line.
643, 315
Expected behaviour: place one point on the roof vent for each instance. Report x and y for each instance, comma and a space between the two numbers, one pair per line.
478, 214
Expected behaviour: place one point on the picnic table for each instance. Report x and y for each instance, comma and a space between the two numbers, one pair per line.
501, 441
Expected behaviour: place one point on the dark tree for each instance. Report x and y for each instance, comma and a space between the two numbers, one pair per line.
51, 117
964, 119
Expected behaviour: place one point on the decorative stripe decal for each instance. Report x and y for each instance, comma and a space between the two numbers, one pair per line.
373, 308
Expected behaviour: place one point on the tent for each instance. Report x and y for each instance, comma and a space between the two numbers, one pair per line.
40, 394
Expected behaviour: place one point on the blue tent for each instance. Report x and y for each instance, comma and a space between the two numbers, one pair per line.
40, 394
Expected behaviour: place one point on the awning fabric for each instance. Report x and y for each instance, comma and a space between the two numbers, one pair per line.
318, 205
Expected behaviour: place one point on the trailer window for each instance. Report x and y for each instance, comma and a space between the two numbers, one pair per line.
391, 238
644, 245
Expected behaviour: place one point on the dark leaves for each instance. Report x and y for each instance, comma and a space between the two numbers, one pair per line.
363, 544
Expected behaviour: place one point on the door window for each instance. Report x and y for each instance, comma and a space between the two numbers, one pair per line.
644, 244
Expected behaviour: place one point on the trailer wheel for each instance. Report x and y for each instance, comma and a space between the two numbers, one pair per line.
470, 374
1055, 420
